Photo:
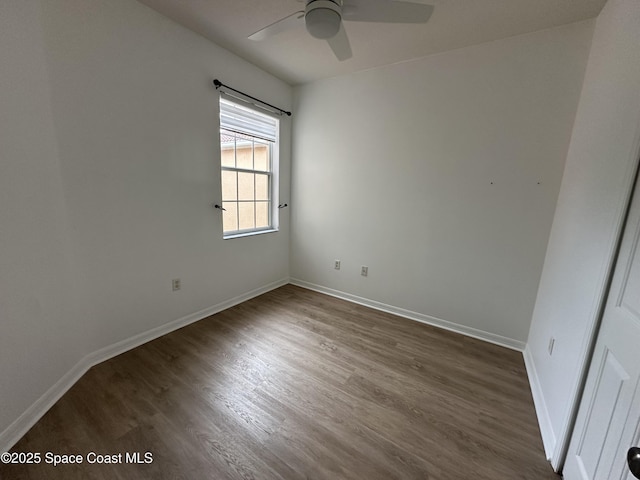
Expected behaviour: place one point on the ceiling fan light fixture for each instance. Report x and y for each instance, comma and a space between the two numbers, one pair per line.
322, 18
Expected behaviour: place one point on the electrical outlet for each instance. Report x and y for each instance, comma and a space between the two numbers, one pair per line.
364, 271
176, 284
336, 264
552, 342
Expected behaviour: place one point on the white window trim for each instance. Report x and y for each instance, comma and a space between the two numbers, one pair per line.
274, 183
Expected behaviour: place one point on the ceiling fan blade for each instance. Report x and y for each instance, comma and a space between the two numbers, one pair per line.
340, 44
280, 26
386, 11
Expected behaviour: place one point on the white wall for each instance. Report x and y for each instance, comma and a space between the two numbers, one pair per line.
109, 166
595, 188
42, 305
441, 175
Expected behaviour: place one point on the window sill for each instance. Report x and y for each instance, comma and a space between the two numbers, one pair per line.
248, 234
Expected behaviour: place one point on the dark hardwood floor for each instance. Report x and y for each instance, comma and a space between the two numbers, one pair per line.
298, 385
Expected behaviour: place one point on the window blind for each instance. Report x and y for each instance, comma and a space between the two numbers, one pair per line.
240, 119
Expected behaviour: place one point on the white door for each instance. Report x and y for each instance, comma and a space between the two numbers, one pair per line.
608, 422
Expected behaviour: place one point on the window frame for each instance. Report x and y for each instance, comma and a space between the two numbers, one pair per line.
271, 172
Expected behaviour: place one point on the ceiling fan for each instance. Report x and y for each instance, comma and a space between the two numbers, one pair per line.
324, 19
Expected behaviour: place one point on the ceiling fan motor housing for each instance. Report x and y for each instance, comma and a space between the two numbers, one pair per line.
323, 18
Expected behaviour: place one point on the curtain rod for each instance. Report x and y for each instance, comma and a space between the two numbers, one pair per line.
219, 84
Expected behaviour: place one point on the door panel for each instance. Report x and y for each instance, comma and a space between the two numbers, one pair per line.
607, 392
608, 422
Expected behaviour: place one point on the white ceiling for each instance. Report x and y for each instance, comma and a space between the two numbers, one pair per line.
296, 57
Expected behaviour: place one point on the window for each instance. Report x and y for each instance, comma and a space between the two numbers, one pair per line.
248, 151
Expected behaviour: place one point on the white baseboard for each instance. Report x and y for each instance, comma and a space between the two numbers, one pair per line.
418, 317
10, 436
544, 421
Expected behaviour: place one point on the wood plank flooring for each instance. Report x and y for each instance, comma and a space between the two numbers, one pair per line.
298, 385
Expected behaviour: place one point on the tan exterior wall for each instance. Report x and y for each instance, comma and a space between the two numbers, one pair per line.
245, 196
